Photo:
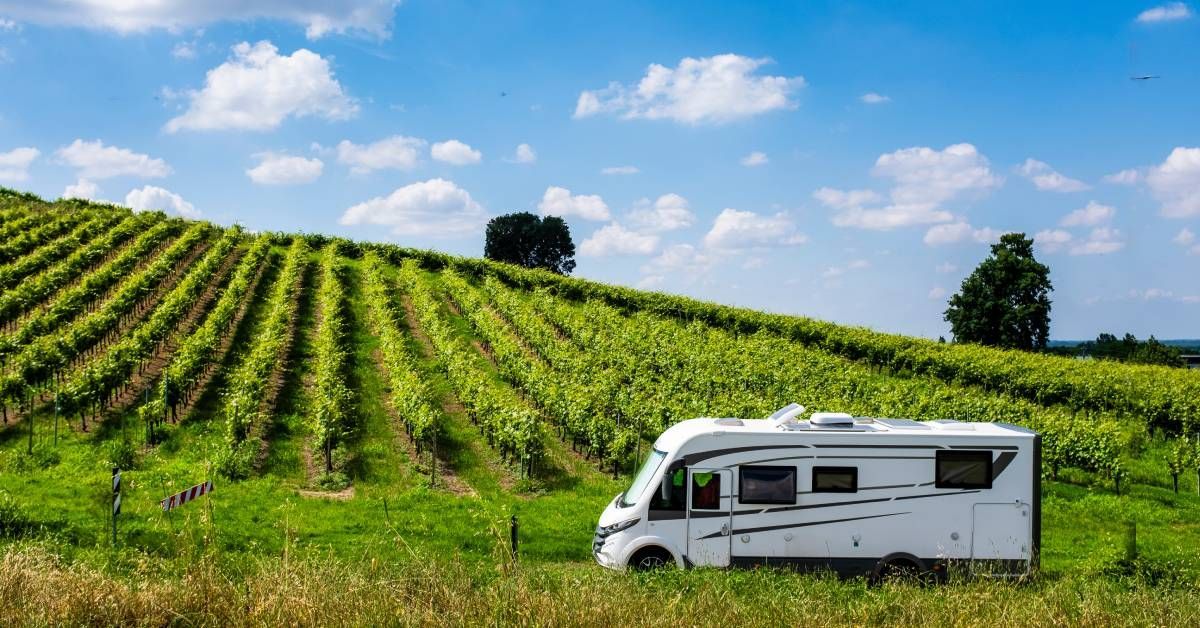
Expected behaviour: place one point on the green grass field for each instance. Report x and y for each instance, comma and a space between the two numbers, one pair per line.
397, 536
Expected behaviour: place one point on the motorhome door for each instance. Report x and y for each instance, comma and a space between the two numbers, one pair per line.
709, 517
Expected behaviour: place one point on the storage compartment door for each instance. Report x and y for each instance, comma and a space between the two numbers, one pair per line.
1001, 532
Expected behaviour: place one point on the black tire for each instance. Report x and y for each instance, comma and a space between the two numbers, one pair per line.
651, 559
898, 570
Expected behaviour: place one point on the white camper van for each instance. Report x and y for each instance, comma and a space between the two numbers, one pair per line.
859, 496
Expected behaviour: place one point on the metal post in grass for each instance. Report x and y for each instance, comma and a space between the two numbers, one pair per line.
56, 419
31, 424
116, 504
512, 529
1131, 551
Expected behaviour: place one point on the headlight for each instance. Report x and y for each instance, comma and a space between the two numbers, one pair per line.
618, 527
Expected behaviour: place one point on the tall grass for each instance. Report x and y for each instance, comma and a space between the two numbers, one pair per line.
38, 587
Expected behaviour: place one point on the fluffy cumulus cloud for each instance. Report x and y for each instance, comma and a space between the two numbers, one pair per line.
1185, 237
1101, 241
755, 158
436, 207
392, 153
524, 154
735, 229
872, 98
258, 88
1129, 176
1088, 216
560, 202
1176, 183
94, 160
1052, 240
833, 272
923, 180
1168, 12
278, 169
937, 293
156, 198
82, 188
14, 165
1047, 179
319, 18
611, 170
683, 258
955, 232
613, 239
667, 213
709, 90
455, 153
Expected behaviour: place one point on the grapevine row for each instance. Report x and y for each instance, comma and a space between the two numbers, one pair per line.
46, 356
248, 384
197, 354
409, 394
97, 384
70, 301
27, 241
331, 397
506, 421
43, 257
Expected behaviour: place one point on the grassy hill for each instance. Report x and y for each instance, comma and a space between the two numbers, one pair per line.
371, 417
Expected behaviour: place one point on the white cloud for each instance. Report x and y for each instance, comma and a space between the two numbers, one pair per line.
1052, 240
954, 232
525, 154
937, 293
1176, 183
613, 239
560, 202
436, 207
832, 272
923, 180
8, 25
1101, 241
753, 263
945, 268
619, 170
754, 159
1047, 179
362, 17
735, 229
872, 98
650, 282
396, 153
184, 50
277, 169
698, 91
455, 153
681, 258
155, 198
1168, 12
667, 213
94, 160
84, 189
14, 165
1185, 237
1129, 176
1089, 216
257, 89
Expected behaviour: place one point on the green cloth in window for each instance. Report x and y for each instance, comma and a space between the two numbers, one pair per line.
702, 479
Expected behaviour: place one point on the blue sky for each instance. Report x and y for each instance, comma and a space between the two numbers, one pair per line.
840, 160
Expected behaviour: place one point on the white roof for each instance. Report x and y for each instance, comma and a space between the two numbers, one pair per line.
866, 427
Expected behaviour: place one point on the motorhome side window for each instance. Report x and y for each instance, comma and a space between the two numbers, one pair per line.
835, 480
767, 485
706, 491
964, 469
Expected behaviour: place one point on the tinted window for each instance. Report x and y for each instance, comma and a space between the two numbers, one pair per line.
835, 479
964, 469
768, 485
706, 491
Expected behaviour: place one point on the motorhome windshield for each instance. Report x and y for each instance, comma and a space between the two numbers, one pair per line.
642, 479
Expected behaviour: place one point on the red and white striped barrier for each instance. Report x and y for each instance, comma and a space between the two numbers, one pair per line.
185, 496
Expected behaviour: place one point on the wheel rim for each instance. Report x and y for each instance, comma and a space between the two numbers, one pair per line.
651, 562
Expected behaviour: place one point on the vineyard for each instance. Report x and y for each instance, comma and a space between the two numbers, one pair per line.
342, 395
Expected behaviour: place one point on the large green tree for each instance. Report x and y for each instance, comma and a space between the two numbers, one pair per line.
531, 241
1006, 301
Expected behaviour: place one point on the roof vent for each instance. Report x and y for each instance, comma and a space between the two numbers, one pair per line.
831, 419
729, 421
785, 414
